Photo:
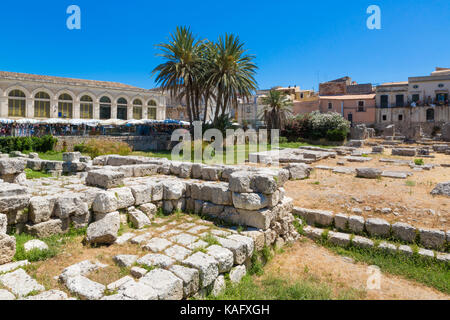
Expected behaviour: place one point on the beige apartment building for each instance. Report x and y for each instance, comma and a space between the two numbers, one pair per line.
420, 101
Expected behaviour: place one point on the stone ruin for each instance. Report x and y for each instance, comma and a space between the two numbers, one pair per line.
103, 193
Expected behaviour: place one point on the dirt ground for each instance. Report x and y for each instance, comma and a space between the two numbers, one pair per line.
307, 259
410, 199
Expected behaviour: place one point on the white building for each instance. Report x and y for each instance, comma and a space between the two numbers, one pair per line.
430, 90
421, 101
41, 97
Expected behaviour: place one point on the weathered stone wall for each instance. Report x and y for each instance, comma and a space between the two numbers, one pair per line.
409, 129
333, 88
155, 142
375, 227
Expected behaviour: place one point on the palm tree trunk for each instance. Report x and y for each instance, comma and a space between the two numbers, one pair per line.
218, 105
205, 112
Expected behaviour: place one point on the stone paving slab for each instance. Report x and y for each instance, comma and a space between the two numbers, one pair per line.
156, 260
20, 283
165, 283
157, 245
85, 288
177, 252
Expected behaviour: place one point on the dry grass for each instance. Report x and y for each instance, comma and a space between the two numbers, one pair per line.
306, 260
410, 198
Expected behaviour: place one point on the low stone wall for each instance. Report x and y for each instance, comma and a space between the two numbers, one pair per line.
409, 129
346, 240
155, 142
375, 227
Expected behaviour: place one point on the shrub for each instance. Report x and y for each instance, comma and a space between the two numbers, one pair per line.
316, 125
27, 144
419, 162
99, 147
337, 134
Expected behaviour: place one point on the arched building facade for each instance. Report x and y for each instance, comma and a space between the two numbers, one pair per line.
41, 97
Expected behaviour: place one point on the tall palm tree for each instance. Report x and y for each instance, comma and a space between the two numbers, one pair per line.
277, 109
232, 73
178, 74
200, 71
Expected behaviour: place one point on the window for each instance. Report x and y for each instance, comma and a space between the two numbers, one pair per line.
137, 109
249, 110
122, 107
441, 98
105, 108
361, 106
181, 115
330, 105
430, 114
384, 117
399, 100
400, 117
16, 104
152, 103
151, 113
416, 86
65, 106
440, 85
415, 97
86, 108
350, 117
384, 100
42, 105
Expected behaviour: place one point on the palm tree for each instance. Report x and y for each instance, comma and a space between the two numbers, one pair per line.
277, 109
232, 73
200, 71
179, 73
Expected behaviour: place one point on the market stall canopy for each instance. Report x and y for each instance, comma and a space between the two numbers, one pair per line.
113, 122
134, 122
55, 121
27, 121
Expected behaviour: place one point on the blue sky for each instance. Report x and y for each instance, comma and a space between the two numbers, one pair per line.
295, 42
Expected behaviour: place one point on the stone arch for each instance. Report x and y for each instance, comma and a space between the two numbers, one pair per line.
43, 89
121, 98
105, 94
152, 100
65, 91
18, 87
87, 93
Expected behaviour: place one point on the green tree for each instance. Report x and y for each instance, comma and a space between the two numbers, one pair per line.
232, 73
277, 109
199, 72
180, 71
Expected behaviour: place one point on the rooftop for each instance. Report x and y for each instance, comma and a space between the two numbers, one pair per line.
71, 81
400, 83
350, 97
